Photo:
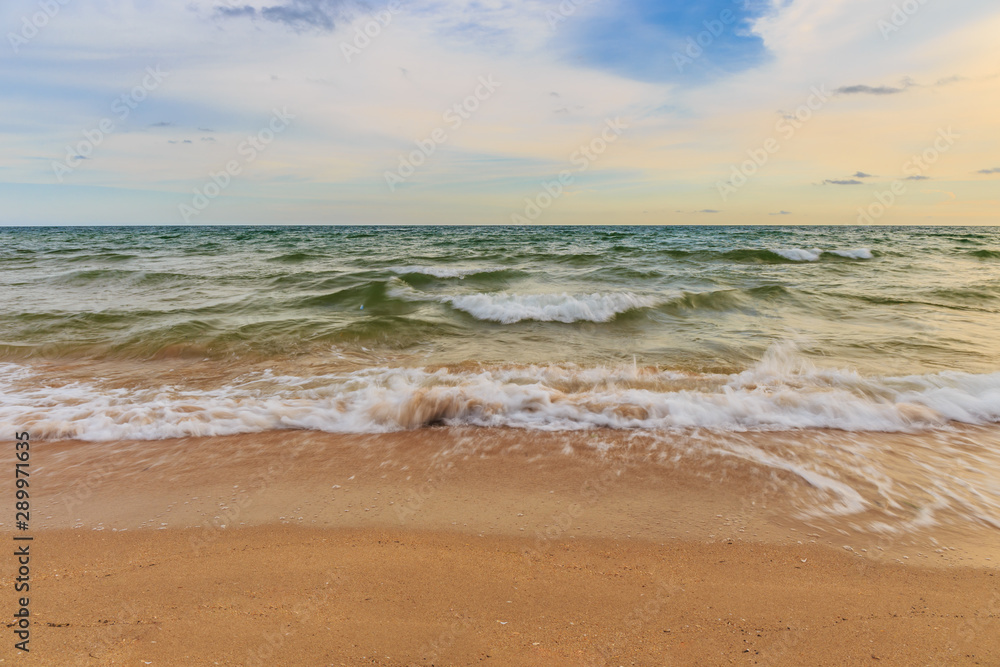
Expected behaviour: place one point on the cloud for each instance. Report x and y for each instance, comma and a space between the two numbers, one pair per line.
918, 177
852, 181
235, 12
781, 213
708, 210
870, 90
205, 129
296, 14
861, 174
994, 170
162, 123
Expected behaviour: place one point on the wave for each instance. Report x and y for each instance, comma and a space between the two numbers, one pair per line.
985, 254
508, 308
442, 271
813, 255
857, 253
296, 257
777, 255
725, 299
781, 392
103, 257
119, 276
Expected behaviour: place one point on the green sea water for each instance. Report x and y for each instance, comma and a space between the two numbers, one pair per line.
706, 299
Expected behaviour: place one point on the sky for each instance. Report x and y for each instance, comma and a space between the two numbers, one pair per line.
500, 112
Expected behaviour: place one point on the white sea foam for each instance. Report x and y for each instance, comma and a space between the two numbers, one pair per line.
814, 254
781, 392
855, 253
440, 271
800, 255
509, 308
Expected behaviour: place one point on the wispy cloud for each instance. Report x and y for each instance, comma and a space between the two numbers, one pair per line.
852, 181
296, 14
994, 170
862, 89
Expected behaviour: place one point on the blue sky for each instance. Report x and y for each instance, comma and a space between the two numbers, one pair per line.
396, 126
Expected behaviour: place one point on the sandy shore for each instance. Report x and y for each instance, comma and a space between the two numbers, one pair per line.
450, 547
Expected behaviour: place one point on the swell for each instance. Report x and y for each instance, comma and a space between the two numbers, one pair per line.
116, 277
775, 256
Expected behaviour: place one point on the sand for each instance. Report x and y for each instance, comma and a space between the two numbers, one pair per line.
451, 547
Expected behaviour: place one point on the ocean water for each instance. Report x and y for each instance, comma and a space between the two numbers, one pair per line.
835, 334
378, 328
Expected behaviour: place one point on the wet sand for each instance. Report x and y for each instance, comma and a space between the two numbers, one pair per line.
457, 547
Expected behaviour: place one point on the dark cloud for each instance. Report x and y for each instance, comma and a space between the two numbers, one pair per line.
861, 174
904, 84
852, 181
208, 138
162, 123
205, 129
782, 213
869, 90
235, 12
917, 178
994, 170
708, 210
296, 14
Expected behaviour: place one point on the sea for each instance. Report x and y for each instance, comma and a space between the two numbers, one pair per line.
871, 353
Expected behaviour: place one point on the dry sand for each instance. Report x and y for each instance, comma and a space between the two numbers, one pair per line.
455, 547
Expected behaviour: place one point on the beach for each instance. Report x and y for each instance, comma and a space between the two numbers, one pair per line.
454, 547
